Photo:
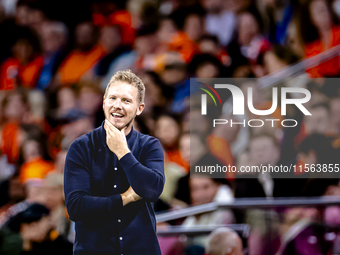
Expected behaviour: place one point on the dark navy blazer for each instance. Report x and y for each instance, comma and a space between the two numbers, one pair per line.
95, 178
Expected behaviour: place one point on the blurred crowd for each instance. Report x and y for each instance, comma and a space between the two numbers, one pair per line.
57, 58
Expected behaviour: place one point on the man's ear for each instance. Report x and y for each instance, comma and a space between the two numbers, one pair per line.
103, 102
140, 108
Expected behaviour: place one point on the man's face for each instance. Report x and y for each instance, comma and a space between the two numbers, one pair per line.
202, 190
121, 105
318, 122
263, 151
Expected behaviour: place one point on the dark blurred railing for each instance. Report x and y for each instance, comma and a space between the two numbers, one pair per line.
250, 203
297, 69
241, 229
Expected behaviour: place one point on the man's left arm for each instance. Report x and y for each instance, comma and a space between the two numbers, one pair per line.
146, 180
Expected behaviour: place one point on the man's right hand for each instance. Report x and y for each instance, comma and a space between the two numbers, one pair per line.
129, 196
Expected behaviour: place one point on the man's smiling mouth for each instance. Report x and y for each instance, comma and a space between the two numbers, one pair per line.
117, 115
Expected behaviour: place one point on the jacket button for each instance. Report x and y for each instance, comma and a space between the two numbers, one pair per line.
119, 220
120, 238
116, 169
115, 186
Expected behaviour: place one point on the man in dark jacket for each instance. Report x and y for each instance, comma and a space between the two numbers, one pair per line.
31, 232
113, 175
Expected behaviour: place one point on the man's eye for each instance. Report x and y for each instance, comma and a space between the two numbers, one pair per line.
112, 98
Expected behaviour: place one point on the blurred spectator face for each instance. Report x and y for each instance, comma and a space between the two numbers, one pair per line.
84, 36
75, 129
202, 190
35, 19
110, 38
224, 241
207, 70
66, 101
53, 36
248, 28
31, 150
146, 44
54, 197
35, 192
36, 231
320, 14
22, 50
173, 76
263, 151
16, 190
15, 108
89, 100
154, 96
212, 6
166, 31
22, 15
208, 46
193, 27
167, 130
198, 149
184, 147
318, 122
37, 101
198, 122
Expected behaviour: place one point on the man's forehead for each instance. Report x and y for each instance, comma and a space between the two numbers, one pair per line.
122, 87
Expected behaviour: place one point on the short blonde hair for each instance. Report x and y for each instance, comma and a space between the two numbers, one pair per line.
130, 78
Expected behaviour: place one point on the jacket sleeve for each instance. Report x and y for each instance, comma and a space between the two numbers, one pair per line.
79, 202
146, 179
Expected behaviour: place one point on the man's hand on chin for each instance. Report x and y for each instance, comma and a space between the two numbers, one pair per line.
116, 140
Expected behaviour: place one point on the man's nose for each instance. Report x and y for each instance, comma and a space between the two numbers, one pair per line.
117, 104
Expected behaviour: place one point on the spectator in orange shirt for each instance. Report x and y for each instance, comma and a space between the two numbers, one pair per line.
168, 132
82, 59
24, 67
109, 13
320, 31
15, 110
35, 166
173, 38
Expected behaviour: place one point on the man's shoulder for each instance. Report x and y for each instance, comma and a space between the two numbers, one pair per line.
87, 140
146, 140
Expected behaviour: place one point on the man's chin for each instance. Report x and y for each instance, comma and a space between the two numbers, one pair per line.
119, 126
